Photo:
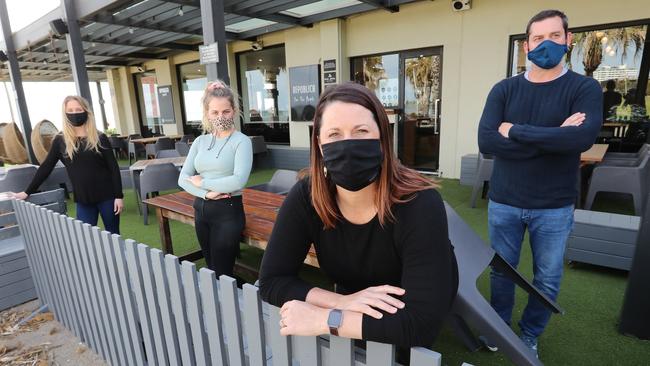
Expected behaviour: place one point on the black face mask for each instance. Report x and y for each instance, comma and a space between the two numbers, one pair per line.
77, 119
353, 164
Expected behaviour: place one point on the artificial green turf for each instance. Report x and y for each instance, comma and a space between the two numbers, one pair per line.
591, 296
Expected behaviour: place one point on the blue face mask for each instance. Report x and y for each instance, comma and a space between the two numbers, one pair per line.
547, 54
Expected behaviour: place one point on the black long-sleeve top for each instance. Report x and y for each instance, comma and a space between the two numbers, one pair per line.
95, 176
537, 166
413, 253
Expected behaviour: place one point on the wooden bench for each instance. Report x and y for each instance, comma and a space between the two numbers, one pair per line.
16, 283
602, 238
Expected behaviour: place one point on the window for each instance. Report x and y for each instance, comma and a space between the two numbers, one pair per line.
614, 55
381, 74
147, 87
264, 88
193, 80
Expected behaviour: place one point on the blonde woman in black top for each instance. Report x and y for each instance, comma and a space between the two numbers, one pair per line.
90, 163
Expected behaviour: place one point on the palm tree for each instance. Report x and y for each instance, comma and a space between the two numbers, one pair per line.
422, 72
592, 44
373, 71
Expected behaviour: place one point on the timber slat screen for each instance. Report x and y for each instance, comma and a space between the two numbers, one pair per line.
133, 305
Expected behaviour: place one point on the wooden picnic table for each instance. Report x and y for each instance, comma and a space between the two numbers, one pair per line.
260, 207
151, 140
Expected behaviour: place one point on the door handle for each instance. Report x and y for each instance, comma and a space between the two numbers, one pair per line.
436, 119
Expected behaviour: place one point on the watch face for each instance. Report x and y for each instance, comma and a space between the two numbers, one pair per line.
335, 318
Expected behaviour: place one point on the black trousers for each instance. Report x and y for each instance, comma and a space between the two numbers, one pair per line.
219, 224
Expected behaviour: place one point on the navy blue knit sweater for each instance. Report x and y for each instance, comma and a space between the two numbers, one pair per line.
537, 166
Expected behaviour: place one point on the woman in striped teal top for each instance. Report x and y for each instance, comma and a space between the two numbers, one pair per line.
215, 171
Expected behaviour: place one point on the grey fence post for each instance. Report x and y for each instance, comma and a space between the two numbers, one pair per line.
128, 296
178, 305
141, 300
232, 320
194, 314
167, 316
212, 313
254, 325
152, 303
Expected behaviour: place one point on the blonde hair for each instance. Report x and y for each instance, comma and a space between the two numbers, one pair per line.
69, 136
218, 89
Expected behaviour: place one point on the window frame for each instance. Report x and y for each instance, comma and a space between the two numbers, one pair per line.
588, 28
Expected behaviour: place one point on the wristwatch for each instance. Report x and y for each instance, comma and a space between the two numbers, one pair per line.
334, 321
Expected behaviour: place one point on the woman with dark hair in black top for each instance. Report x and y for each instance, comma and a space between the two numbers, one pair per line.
379, 230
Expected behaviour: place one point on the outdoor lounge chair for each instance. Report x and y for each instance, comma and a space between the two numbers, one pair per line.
163, 143
483, 174
633, 180
470, 309
17, 179
136, 149
169, 153
182, 147
154, 178
16, 284
280, 183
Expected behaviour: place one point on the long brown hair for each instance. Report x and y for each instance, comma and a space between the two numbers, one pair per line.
395, 184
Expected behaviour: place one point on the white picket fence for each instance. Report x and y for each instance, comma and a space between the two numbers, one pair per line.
135, 306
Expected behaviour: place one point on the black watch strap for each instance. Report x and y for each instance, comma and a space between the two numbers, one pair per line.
334, 321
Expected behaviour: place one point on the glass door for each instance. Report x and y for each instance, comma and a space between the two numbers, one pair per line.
146, 87
419, 100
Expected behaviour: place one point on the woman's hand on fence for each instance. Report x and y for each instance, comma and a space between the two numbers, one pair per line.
196, 180
216, 195
372, 299
118, 206
20, 195
304, 319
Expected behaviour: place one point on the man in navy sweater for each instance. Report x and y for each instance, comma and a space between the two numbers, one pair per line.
536, 124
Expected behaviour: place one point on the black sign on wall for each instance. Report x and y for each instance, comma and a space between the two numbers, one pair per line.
166, 104
329, 72
305, 89
329, 65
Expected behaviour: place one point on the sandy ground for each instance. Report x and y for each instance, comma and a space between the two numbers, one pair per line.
44, 341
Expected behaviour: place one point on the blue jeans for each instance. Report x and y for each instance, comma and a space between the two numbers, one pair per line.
89, 213
549, 230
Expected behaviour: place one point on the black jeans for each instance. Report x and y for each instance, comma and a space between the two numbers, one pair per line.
219, 224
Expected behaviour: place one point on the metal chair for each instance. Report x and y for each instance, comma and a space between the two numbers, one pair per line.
163, 143
633, 180
168, 154
471, 311
483, 174
155, 178
17, 179
183, 148
280, 183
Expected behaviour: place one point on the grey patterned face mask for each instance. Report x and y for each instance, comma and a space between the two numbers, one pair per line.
222, 123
